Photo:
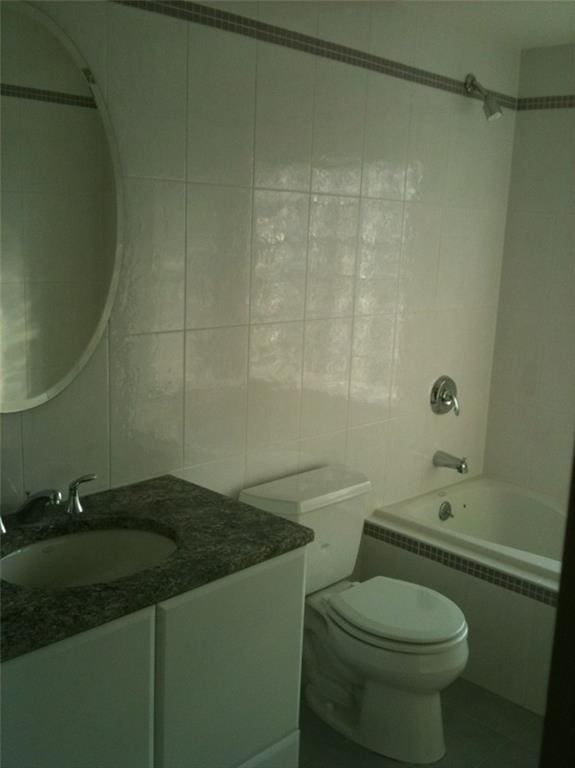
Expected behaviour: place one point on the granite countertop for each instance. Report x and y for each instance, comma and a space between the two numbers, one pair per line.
215, 536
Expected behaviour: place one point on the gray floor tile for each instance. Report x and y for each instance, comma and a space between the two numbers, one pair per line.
496, 713
512, 755
482, 730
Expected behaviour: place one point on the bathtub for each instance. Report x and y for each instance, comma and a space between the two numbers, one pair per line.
498, 558
494, 523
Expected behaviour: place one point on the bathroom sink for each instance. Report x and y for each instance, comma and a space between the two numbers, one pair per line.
87, 557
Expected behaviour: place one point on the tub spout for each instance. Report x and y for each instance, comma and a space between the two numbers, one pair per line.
442, 459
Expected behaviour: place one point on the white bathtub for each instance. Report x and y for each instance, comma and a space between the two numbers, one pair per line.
495, 523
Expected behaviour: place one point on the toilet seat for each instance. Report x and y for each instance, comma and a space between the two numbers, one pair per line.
397, 615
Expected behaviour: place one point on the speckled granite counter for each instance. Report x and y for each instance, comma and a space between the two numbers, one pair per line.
216, 536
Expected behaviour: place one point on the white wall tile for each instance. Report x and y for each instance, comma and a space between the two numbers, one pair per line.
345, 23
543, 156
147, 375
147, 91
225, 476
386, 137
331, 255
371, 369
367, 449
531, 425
327, 350
553, 442
77, 420
320, 450
219, 223
539, 656
221, 97
547, 71
279, 256
378, 257
274, 385
393, 30
525, 275
428, 151
215, 395
270, 463
562, 278
501, 661
293, 15
419, 257
438, 45
151, 291
284, 118
338, 128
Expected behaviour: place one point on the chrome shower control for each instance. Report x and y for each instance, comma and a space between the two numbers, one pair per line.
443, 396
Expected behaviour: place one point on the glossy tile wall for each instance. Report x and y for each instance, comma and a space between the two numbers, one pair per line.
532, 410
308, 246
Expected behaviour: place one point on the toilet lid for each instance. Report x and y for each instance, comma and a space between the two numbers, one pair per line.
398, 610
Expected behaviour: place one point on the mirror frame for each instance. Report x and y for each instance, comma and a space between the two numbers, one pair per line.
32, 402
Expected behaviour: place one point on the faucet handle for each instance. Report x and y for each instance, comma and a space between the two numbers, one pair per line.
444, 396
73, 505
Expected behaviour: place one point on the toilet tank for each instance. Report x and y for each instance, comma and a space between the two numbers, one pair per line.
332, 501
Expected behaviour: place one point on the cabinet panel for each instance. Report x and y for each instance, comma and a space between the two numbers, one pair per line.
85, 702
228, 670
284, 754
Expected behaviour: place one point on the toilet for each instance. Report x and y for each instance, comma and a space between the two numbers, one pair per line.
376, 654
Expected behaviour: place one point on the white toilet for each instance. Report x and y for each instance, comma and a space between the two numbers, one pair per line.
376, 654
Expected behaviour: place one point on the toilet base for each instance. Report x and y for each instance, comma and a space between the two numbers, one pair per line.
399, 724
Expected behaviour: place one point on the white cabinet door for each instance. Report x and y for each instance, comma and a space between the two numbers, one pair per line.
228, 673
85, 702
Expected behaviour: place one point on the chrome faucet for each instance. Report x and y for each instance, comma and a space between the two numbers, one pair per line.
51, 497
442, 459
73, 505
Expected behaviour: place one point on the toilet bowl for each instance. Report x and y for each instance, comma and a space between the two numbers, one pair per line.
397, 646
376, 654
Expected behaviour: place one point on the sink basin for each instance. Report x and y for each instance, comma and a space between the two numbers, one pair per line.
87, 557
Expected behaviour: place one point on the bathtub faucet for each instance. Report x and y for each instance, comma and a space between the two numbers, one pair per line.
442, 459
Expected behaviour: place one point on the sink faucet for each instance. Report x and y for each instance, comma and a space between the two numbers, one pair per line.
442, 459
50, 497
73, 505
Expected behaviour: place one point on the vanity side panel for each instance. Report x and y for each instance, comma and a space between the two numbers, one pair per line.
90, 695
228, 666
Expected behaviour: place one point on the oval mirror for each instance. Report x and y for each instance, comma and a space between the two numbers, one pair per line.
60, 211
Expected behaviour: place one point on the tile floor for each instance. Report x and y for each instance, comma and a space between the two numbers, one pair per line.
482, 730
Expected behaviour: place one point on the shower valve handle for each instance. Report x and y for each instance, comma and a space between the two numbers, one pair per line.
444, 396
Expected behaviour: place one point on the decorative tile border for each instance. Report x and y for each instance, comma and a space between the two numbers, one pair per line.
39, 94
546, 102
494, 576
242, 25
231, 22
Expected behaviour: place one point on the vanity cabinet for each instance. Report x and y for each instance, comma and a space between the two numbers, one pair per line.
208, 679
85, 702
228, 679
